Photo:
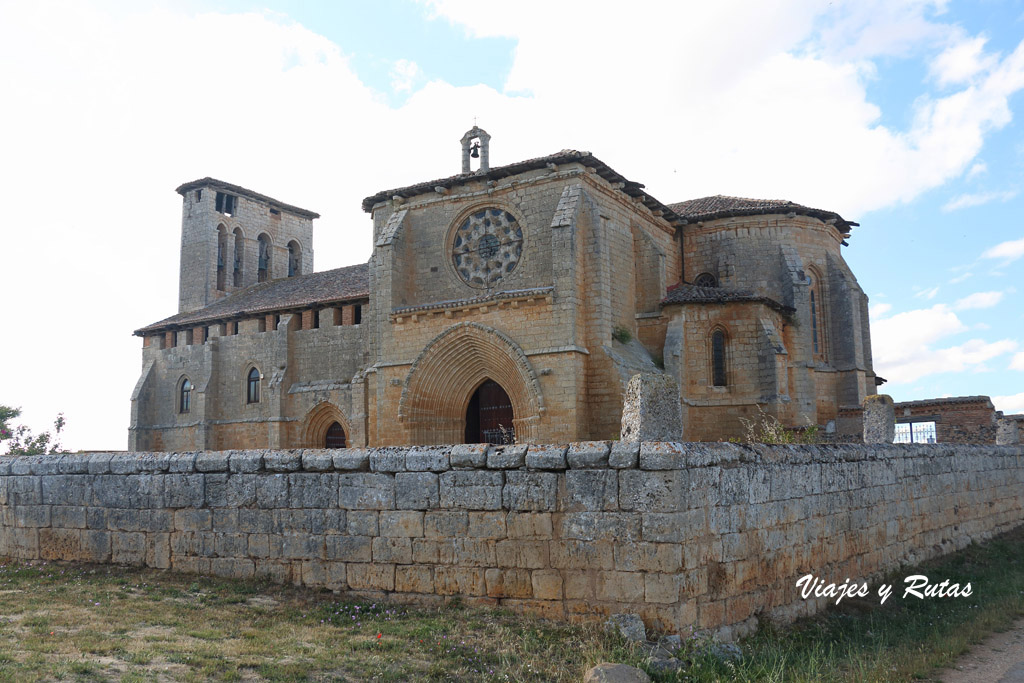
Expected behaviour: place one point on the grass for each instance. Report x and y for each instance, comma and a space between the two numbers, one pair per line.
97, 623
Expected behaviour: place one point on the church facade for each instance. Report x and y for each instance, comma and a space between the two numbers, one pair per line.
501, 304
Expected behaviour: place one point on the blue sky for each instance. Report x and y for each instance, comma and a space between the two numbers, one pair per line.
902, 115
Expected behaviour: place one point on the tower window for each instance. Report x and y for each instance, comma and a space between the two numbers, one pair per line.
718, 359
199, 195
225, 203
239, 247
294, 259
185, 397
222, 246
263, 266
357, 314
252, 393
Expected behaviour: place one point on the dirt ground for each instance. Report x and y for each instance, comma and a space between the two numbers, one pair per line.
997, 659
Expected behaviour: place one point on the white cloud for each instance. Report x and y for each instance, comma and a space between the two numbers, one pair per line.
927, 293
1008, 251
1010, 405
978, 300
965, 201
902, 345
404, 75
960, 278
977, 169
878, 310
1018, 361
962, 61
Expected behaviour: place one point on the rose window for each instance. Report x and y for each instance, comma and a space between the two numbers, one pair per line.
487, 247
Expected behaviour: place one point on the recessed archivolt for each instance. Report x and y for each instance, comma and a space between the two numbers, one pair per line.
318, 420
448, 370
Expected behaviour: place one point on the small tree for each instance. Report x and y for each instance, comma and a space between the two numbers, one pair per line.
20, 440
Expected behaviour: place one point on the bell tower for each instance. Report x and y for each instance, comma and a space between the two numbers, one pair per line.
476, 145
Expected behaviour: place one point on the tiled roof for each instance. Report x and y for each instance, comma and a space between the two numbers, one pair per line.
950, 400
721, 206
248, 194
692, 294
340, 284
566, 156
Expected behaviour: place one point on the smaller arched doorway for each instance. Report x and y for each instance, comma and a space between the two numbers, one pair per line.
335, 437
489, 415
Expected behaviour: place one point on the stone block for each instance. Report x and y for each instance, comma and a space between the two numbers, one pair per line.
302, 546
416, 490
271, 491
158, 550
576, 554
66, 489
216, 486
445, 524
245, 462
650, 491
128, 547
193, 520
544, 457
24, 490
508, 583
67, 517
486, 525
335, 578
471, 490
392, 550
530, 491
99, 463
615, 586
459, 581
241, 490
179, 463
599, 526
525, 554
506, 457
663, 456
308, 490
547, 584
124, 463
71, 463
366, 491
401, 523
184, 490
879, 419
282, 461
427, 459
590, 490
96, 546
414, 579
60, 544
32, 516
1007, 432
387, 460
363, 523
652, 410
317, 461
535, 525
664, 558
588, 454
352, 460
212, 461
469, 455
379, 577
624, 455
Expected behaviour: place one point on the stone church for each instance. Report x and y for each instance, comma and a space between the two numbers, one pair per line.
503, 303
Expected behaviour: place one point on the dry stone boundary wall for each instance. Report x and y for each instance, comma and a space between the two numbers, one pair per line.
687, 535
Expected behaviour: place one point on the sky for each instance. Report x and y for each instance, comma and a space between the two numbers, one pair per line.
902, 115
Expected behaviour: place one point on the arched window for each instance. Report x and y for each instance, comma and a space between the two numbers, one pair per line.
252, 392
817, 303
705, 280
264, 259
222, 247
335, 436
185, 397
718, 374
294, 259
239, 251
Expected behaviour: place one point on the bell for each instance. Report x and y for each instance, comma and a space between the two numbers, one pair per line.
474, 151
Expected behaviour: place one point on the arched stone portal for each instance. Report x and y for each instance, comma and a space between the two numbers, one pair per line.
447, 373
317, 427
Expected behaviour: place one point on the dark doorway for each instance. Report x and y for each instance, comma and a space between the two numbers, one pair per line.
489, 415
335, 436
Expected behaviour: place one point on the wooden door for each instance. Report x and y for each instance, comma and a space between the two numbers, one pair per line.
489, 415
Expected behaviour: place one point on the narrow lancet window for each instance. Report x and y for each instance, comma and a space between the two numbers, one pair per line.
264, 259
185, 397
252, 394
718, 359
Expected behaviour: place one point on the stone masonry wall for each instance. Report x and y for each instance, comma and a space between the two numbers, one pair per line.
692, 535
